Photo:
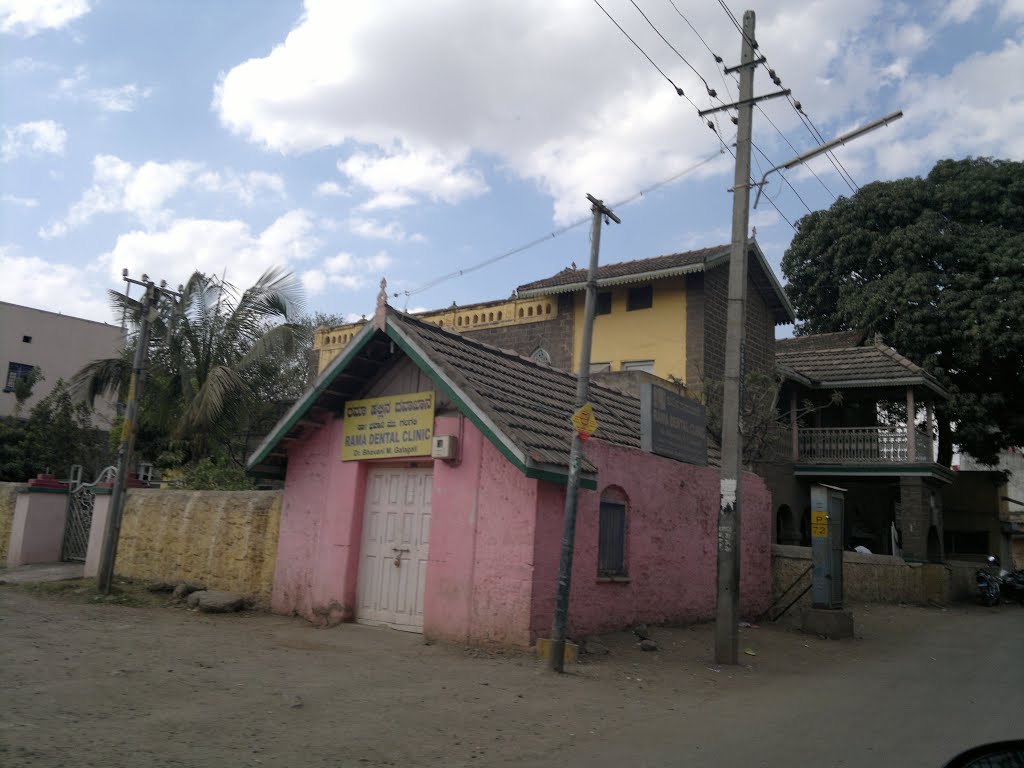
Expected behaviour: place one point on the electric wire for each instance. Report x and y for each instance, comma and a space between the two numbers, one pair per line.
788, 183
557, 232
637, 46
710, 90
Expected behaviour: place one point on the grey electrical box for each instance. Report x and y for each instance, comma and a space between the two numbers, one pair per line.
827, 503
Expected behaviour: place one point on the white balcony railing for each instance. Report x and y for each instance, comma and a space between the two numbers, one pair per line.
861, 445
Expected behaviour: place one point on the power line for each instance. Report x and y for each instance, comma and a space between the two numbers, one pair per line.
795, 150
710, 90
804, 118
677, 88
783, 177
556, 233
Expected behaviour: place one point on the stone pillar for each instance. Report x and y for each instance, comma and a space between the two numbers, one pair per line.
37, 530
911, 426
97, 530
915, 518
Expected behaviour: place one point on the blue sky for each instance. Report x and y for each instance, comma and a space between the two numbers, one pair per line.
350, 141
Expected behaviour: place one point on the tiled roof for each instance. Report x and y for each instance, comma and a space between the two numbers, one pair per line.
531, 403
671, 265
639, 267
842, 360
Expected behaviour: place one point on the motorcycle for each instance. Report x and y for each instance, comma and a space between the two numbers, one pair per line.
988, 583
995, 584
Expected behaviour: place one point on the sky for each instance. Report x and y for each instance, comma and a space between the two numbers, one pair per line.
350, 141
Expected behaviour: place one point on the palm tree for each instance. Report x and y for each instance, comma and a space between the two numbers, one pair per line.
213, 358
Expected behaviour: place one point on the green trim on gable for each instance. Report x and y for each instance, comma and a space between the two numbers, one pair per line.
304, 403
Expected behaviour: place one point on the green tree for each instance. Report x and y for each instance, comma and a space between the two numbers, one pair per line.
23, 388
212, 361
936, 265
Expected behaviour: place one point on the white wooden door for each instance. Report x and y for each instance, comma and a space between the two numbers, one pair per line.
393, 557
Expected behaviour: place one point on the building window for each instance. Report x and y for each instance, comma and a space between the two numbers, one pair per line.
26, 339
604, 303
640, 297
540, 355
611, 542
639, 365
600, 367
16, 372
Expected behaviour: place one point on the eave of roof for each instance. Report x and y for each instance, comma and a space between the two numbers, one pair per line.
710, 261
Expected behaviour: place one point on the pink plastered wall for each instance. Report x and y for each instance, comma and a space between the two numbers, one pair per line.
671, 545
479, 578
321, 526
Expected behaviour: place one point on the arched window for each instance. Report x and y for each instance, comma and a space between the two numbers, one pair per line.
490, 317
520, 311
547, 309
529, 311
458, 321
611, 541
499, 315
540, 355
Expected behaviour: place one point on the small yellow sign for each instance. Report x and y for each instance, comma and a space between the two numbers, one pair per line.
398, 426
584, 422
819, 524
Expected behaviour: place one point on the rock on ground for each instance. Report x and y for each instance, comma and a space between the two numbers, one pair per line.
216, 601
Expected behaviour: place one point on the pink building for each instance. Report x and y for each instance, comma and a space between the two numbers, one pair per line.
465, 547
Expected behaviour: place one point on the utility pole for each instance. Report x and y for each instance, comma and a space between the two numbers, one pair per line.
730, 495
150, 297
599, 210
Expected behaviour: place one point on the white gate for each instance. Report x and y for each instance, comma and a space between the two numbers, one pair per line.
395, 541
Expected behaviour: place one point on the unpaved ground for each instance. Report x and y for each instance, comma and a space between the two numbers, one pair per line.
113, 685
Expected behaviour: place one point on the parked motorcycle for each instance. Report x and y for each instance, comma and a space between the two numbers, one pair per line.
995, 584
988, 583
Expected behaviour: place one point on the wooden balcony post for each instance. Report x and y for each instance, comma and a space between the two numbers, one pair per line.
911, 426
792, 425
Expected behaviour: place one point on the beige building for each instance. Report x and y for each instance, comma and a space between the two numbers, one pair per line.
57, 344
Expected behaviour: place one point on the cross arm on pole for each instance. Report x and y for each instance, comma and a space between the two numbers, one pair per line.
603, 209
745, 102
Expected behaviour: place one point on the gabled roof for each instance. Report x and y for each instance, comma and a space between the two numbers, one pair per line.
843, 361
670, 265
522, 407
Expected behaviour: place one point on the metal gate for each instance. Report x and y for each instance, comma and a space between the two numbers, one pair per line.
81, 499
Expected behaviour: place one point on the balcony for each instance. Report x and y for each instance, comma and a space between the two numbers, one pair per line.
862, 446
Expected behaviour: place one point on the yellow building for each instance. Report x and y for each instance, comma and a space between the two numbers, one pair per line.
664, 315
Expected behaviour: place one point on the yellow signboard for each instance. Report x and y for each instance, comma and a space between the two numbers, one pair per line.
819, 524
584, 422
398, 426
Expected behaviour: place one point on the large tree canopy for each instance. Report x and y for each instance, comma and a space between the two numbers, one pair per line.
936, 265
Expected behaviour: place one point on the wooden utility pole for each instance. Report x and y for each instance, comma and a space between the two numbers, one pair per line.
730, 495
599, 210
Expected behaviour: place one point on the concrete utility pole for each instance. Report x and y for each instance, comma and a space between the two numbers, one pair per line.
112, 534
730, 495
576, 453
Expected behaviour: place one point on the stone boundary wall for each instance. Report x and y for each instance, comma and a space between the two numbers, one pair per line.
877, 578
8, 496
225, 539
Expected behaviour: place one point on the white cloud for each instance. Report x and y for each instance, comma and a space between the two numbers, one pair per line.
120, 187
375, 230
120, 98
331, 189
34, 282
38, 137
396, 178
247, 187
959, 11
26, 18
213, 246
345, 271
421, 114
25, 202
144, 191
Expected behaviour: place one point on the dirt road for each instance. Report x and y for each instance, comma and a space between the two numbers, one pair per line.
105, 685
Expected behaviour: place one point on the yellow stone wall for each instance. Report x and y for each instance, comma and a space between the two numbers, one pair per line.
492, 314
225, 539
658, 333
7, 499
